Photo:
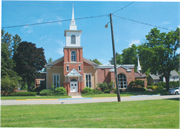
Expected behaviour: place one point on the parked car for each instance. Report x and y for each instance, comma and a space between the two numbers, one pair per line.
175, 91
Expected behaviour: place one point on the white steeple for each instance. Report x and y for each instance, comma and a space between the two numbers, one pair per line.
73, 25
139, 66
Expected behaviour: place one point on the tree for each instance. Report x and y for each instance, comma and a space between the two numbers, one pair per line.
49, 61
29, 60
96, 61
129, 56
159, 54
118, 59
7, 63
16, 40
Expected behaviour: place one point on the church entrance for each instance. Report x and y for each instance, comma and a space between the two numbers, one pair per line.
73, 85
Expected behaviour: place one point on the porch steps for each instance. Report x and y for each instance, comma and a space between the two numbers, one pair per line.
75, 95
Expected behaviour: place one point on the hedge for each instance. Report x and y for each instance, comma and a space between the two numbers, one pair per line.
23, 94
46, 92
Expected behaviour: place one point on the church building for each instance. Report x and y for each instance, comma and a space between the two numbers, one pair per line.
74, 72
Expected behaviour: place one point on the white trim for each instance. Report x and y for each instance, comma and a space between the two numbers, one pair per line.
59, 80
55, 62
85, 79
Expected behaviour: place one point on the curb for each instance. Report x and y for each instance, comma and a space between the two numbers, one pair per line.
145, 95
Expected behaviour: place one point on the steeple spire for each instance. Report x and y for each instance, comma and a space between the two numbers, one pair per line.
139, 66
73, 25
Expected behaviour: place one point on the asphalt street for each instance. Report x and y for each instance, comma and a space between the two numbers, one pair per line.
85, 100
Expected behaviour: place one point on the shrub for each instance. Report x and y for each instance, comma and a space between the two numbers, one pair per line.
96, 91
111, 85
87, 90
23, 94
160, 88
8, 84
46, 92
136, 89
107, 91
60, 91
103, 86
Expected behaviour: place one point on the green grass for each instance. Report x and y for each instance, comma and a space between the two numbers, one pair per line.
128, 93
132, 114
32, 97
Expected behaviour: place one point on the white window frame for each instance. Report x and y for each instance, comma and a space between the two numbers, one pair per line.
79, 68
74, 59
123, 84
56, 80
73, 39
67, 68
90, 80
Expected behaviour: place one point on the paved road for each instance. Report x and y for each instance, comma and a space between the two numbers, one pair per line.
83, 100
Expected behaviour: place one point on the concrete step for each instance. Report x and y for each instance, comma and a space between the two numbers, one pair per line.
74, 94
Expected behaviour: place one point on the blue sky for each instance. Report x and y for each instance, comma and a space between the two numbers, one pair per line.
95, 39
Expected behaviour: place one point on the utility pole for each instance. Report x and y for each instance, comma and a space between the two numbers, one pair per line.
114, 56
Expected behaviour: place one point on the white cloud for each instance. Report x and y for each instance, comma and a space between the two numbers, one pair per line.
179, 26
166, 23
27, 29
42, 37
39, 20
59, 19
104, 62
135, 42
60, 49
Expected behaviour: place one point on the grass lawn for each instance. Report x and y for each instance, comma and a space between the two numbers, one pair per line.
32, 97
128, 93
132, 114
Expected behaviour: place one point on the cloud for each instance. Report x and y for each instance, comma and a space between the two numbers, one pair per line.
178, 51
135, 42
179, 25
166, 23
60, 49
42, 37
104, 62
59, 19
39, 20
27, 29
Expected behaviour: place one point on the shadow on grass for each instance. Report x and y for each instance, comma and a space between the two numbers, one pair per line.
176, 99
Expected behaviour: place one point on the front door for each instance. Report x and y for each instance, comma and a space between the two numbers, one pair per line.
74, 85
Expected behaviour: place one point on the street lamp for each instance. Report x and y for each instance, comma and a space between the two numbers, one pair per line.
114, 57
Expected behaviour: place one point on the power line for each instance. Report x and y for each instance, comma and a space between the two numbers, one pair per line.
54, 21
142, 23
123, 7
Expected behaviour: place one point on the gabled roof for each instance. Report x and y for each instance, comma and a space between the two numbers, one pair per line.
155, 77
89, 62
127, 67
73, 73
139, 75
55, 62
174, 73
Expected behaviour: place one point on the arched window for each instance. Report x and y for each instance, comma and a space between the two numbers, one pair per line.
73, 56
73, 39
122, 82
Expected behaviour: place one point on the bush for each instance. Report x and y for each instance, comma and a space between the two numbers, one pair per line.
136, 89
103, 86
46, 92
23, 94
107, 91
8, 84
111, 85
96, 91
60, 91
160, 88
87, 90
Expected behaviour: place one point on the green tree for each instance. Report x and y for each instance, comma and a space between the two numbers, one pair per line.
16, 40
129, 55
49, 61
118, 59
96, 61
29, 60
158, 54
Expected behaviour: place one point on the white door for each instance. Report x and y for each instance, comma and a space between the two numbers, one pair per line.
74, 86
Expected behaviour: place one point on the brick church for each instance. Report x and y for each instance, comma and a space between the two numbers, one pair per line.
74, 72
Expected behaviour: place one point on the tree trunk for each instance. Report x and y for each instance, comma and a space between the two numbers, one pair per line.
167, 83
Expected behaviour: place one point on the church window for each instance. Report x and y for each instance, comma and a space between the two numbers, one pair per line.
73, 39
122, 82
56, 80
79, 68
67, 68
73, 56
88, 80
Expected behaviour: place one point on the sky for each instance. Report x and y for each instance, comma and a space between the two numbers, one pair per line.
95, 38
